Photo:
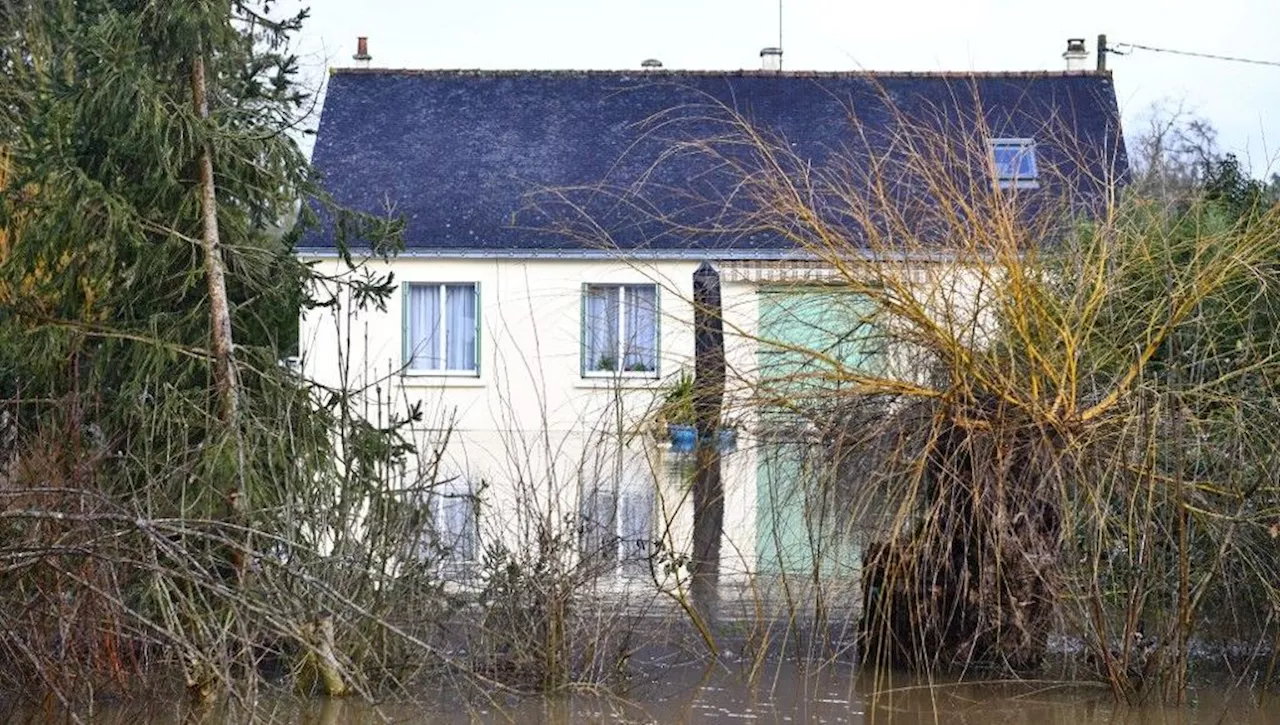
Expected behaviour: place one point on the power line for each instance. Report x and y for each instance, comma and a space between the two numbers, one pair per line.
1211, 56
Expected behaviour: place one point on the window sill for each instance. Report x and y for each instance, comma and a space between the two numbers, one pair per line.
437, 380
615, 582
634, 381
462, 583
1019, 184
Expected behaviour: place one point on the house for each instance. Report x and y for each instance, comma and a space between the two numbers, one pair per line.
554, 220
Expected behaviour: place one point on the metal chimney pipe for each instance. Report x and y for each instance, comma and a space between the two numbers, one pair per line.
1076, 55
771, 59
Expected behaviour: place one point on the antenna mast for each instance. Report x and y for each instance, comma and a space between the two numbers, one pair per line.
779, 34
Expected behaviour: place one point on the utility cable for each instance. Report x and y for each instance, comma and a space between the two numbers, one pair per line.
1210, 56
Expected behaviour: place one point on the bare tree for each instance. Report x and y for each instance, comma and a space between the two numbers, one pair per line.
1172, 152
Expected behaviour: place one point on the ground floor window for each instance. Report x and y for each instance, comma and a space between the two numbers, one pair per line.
617, 518
454, 524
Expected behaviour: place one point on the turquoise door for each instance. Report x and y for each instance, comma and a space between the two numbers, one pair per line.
812, 338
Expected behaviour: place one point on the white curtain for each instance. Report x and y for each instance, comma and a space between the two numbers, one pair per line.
635, 525
599, 513
456, 522
642, 329
637, 497
458, 530
602, 328
424, 326
460, 327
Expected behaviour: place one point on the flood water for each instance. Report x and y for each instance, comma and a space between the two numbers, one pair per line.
780, 694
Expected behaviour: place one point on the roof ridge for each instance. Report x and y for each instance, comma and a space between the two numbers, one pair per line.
742, 73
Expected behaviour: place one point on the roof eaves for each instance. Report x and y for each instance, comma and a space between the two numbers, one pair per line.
737, 255
575, 254
672, 73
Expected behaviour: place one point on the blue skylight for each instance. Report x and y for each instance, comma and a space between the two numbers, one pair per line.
1015, 162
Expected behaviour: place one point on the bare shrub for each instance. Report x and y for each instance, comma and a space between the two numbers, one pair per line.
1066, 428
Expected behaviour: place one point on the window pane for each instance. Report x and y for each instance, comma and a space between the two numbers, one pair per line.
423, 327
599, 542
1014, 160
1006, 162
455, 522
602, 328
460, 327
1027, 163
457, 530
635, 528
642, 329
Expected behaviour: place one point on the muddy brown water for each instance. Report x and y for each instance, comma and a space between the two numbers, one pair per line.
780, 694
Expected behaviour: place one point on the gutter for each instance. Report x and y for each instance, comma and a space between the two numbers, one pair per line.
725, 255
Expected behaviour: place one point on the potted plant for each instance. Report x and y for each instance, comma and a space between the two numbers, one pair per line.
677, 413
726, 438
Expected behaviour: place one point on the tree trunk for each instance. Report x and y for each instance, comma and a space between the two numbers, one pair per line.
708, 398
330, 670
972, 580
224, 369
215, 273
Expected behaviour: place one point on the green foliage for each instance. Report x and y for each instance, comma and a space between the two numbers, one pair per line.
105, 371
1237, 195
103, 276
677, 403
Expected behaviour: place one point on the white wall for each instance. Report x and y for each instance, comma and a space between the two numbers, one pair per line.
530, 423
532, 429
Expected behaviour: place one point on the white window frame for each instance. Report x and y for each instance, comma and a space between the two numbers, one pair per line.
1025, 146
620, 288
441, 331
628, 557
455, 492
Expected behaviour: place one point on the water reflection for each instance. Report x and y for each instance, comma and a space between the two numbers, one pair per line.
779, 694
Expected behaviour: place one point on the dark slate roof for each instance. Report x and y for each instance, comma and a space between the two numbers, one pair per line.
497, 162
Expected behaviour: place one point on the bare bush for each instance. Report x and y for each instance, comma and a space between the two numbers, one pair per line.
1065, 428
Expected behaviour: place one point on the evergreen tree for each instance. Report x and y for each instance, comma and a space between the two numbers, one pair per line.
1230, 189
148, 291
149, 169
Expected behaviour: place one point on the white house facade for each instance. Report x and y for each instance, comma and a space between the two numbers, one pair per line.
543, 309
513, 359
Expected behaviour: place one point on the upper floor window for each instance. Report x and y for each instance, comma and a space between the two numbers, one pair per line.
1015, 162
441, 328
620, 329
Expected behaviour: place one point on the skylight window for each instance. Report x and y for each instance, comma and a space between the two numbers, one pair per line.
1015, 162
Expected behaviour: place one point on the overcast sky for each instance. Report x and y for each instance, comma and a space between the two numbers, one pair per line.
1241, 100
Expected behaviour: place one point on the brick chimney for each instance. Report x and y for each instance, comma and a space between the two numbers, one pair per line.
362, 57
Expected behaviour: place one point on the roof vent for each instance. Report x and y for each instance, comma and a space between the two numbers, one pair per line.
651, 64
362, 57
771, 58
1076, 55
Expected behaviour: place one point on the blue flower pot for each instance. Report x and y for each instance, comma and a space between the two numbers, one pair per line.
683, 438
